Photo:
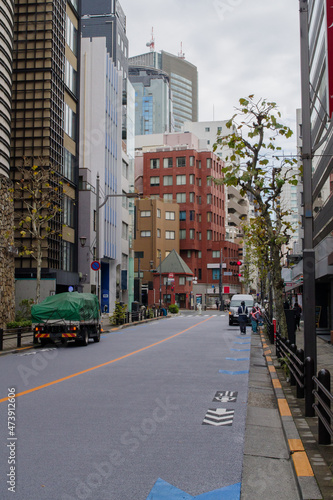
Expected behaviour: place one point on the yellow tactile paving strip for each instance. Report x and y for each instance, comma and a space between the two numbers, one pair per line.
300, 459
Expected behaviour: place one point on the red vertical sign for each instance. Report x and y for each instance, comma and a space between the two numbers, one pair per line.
329, 16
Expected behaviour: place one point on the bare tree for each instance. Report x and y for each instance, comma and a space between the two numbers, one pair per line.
38, 193
257, 167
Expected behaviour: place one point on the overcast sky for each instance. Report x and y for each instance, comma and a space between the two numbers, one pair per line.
240, 47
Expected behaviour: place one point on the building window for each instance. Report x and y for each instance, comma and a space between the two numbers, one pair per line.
182, 234
216, 254
207, 129
209, 216
70, 121
158, 213
167, 162
169, 235
145, 234
181, 197
192, 215
188, 254
167, 180
209, 163
181, 180
191, 178
182, 215
145, 213
219, 130
192, 196
215, 274
209, 180
71, 36
154, 181
199, 236
67, 256
68, 211
199, 274
167, 197
158, 233
68, 169
199, 200
155, 163
191, 161
199, 254
181, 280
181, 161
170, 215
209, 234
124, 231
209, 199
192, 234
70, 77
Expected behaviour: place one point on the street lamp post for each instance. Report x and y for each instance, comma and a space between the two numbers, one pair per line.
309, 314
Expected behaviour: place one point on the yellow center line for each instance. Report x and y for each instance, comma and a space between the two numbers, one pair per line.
104, 364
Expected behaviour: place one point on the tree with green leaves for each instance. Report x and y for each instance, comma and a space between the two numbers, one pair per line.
259, 169
38, 192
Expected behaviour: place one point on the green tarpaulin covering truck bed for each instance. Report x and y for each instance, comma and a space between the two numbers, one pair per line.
68, 306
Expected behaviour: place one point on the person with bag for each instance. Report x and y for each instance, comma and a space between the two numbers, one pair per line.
254, 319
242, 317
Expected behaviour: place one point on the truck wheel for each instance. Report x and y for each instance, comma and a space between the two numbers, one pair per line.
85, 337
98, 336
44, 342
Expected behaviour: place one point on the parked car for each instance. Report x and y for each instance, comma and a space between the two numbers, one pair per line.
234, 305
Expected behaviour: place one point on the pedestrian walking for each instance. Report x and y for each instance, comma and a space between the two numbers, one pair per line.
217, 304
255, 315
298, 311
242, 317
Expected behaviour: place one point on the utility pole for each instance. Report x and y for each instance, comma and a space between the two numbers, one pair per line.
160, 280
309, 301
221, 281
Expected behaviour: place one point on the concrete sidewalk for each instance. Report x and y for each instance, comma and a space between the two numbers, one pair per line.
281, 445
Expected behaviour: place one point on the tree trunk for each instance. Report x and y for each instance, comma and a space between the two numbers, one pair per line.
278, 291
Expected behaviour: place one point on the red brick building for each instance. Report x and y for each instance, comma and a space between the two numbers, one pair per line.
185, 175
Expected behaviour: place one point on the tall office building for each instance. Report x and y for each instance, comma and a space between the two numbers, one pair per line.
105, 20
6, 204
153, 102
45, 117
101, 155
183, 83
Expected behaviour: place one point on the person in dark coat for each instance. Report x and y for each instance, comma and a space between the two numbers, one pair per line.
242, 317
298, 310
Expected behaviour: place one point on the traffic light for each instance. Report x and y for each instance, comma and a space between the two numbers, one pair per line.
233, 263
240, 253
172, 288
239, 263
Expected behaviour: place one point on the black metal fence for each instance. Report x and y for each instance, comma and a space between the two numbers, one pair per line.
315, 390
14, 334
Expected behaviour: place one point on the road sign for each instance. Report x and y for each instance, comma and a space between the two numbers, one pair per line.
171, 277
95, 265
227, 273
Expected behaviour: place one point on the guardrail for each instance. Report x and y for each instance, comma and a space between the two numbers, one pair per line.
322, 406
131, 317
269, 324
293, 358
315, 390
14, 333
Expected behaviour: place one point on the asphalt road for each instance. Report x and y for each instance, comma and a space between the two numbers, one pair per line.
154, 411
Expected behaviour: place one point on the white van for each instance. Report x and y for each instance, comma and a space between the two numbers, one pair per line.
234, 305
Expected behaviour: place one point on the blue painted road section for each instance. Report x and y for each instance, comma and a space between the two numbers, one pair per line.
165, 491
228, 372
238, 359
